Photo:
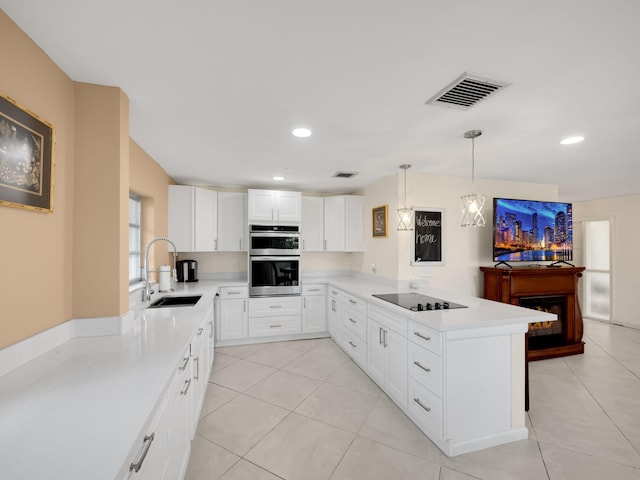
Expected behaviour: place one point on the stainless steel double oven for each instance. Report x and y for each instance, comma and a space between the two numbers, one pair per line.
274, 260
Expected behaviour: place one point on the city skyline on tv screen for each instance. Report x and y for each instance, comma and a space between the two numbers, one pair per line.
530, 230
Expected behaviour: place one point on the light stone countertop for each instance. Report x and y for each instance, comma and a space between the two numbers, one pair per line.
76, 412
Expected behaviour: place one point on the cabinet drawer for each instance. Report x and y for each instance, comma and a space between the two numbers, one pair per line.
425, 337
355, 347
354, 321
426, 367
388, 319
354, 302
234, 292
314, 289
334, 292
425, 409
275, 306
269, 326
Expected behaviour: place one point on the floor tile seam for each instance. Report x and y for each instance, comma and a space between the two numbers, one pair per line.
457, 469
377, 395
591, 455
246, 392
397, 449
219, 446
252, 447
544, 461
342, 457
261, 468
325, 423
613, 356
595, 399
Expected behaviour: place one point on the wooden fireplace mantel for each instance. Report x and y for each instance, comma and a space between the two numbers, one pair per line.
511, 285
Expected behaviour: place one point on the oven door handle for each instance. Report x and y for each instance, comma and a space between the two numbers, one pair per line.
267, 258
275, 234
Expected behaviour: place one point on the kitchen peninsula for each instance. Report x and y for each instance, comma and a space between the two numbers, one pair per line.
83, 408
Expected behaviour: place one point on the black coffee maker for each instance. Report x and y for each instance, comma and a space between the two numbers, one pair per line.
187, 270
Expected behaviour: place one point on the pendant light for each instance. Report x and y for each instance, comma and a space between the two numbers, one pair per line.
473, 205
405, 214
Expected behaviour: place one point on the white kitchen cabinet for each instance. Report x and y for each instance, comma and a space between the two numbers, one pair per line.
232, 222
314, 308
274, 206
234, 313
334, 314
312, 228
201, 360
387, 353
151, 460
269, 316
181, 407
193, 224
344, 223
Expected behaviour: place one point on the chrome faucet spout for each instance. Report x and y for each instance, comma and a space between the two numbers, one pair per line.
146, 292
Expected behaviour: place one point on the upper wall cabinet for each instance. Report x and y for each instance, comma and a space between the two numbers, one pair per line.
274, 206
193, 222
333, 224
232, 222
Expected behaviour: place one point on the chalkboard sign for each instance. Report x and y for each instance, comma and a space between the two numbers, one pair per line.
427, 246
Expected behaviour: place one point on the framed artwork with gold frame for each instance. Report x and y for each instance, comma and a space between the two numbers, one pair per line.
380, 222
26, 158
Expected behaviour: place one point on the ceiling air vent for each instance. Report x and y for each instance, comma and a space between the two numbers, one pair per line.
466, 91
345, 174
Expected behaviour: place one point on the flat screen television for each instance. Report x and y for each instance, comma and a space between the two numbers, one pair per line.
532, 231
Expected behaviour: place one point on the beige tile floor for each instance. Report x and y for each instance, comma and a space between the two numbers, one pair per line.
303, 410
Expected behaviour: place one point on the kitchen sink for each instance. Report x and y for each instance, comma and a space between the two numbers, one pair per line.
185, 301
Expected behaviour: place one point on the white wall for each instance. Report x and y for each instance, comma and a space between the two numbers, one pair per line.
625, 283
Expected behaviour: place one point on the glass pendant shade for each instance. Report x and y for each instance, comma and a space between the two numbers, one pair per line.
473, 210
405, 216
473, 205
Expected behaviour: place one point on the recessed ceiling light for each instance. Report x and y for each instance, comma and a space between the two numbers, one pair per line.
301, 132
570, 140
278, 179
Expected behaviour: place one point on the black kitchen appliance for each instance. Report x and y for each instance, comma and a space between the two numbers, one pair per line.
417, 302
187, 270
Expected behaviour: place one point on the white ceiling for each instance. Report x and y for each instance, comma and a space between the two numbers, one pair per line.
215, 86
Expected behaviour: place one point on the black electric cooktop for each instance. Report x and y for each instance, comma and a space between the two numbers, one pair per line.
417, 302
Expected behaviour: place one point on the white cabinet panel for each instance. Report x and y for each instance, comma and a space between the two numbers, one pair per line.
192, 219
354, 223
232, 222
312, 230
274, 206
206, 220
314, 317
233, 314
289, 206
334, 224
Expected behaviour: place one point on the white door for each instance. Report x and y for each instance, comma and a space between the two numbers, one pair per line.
597, 274
261, 205
314, 317
233, 319
206, 220
289, 206
334, 224
312, 230
232, 222
376, 355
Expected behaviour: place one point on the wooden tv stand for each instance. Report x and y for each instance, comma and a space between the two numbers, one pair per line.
536, 287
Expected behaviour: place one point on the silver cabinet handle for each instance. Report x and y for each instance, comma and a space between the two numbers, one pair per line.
417, 334
197, 360
314, 289
211, 330
272, 214
333, 305
417, 400
240, 245
233, 293
303, 244
334, 292
244, 306
325, 244
352, 301
186, 388
380, 335
275, 326
304, 302
419, 365
352, 320
352, 344
384, 337
200, 330
148, 440
184, 365
275, 306
215, 244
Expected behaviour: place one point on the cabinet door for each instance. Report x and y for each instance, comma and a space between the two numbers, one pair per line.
312, 232
289, 206
206, 220
180, 398
314, 317
233, 319
200, 359
334, 319
376, 355
334, 224
232, 222
181, 217
354, 223
396, 371
261, 205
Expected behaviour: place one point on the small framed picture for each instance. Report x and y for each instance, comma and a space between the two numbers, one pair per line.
380, 220
26, 158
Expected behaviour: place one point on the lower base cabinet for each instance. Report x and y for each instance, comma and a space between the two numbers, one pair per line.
181, 404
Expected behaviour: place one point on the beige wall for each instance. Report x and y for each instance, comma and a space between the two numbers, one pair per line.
35, 285
622, 212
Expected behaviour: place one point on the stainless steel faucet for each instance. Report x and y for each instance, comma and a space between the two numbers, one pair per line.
146, 293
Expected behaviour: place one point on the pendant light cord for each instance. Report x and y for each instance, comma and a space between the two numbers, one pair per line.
473, 166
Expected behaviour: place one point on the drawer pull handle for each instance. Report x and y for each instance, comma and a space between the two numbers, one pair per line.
314, 289
352, 320
419, 365
184, 365
275, 306
233, 293
352, 344
417, 400
275, 326
186, 388
417, 334
197, 375
352, 301
148, 440
200, 330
